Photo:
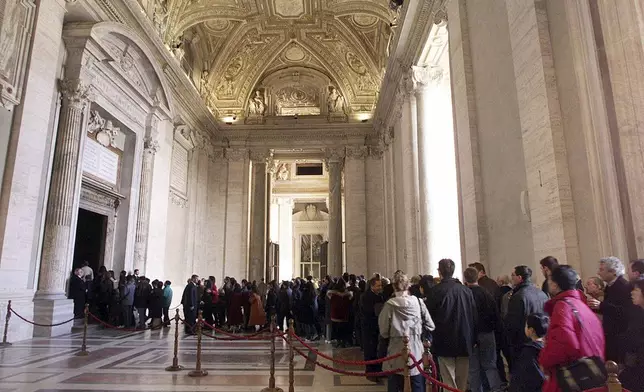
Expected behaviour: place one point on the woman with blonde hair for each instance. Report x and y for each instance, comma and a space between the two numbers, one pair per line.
404, 315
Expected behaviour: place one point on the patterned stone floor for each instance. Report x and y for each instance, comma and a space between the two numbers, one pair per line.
135, 361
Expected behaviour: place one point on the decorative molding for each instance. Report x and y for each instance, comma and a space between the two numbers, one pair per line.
178, 199
16, 28
236, 154
259, 155
356, 152
184, 136
376, 152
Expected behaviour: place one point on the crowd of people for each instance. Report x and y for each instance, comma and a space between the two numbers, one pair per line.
484, 334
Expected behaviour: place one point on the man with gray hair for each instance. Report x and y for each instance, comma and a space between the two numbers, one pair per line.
616, 306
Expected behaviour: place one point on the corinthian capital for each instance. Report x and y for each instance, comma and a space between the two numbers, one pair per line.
334, 155
74, 91
427, 76
260, 155
150, 145
357, 152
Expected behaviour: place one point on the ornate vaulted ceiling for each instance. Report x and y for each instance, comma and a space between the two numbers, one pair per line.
257, 58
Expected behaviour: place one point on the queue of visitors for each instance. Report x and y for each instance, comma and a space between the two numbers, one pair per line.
473, 328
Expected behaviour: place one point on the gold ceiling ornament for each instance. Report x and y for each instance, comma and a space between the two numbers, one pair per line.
241, 43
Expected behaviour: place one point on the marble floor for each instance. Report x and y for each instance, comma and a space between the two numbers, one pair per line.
135, 362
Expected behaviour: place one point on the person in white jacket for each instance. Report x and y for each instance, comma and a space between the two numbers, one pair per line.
404, 315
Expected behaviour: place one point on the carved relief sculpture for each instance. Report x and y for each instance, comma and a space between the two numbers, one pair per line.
160, 16
257, 105
335, 102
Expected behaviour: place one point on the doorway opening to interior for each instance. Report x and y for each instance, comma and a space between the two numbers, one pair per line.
90, 239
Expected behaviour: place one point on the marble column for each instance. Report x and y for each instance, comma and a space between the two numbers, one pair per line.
150, 148
50, 304
285, 237
355, 209
334, 163
439, 219
236, 215
258, 216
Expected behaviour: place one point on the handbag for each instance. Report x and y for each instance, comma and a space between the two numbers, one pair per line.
584, 373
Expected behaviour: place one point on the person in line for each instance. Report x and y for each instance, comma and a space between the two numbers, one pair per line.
167, 301
483, 358
369, 302
189, 301
340, 304
548, 264
257, 317
636, 270
404, 315
454, 311
616, 306
78, 292
127, 302
156, 305
574, 333
525, 300
632, 377
528, 376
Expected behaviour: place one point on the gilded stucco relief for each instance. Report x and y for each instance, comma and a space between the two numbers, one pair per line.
237, 48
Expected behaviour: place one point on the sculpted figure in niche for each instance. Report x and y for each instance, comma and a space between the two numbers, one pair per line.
335, 101
282, 172
96, 122
257, 105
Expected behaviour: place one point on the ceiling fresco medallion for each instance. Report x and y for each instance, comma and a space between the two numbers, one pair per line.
294, 53
289, 8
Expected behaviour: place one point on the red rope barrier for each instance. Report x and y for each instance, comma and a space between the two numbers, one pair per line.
347, 372
430, 378
38, 324
344, 361
232, 336
110, 326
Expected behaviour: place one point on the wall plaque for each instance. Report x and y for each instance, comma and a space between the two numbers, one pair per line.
179, 177
100, 162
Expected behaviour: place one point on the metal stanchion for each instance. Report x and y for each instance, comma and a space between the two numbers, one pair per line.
614, 385
175, 360
405, 355
6, 327
291, 357
271, 380
199, 372
83, 351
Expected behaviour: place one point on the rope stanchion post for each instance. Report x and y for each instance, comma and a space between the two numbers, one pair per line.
405, 355
614, 385
271, 380
83, 351
291, 357
6, 327
199, 372
175, 359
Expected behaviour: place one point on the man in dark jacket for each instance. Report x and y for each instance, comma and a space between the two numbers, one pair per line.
453, 310
486, 282
78, 292
525, 300
189, 301
369, 328
483, 359
141, 300
616, 306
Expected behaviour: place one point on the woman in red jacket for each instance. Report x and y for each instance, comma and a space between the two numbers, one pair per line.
569, 337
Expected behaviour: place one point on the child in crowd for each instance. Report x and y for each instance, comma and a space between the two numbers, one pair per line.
526, 373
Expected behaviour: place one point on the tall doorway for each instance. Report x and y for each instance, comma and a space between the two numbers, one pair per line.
90, 239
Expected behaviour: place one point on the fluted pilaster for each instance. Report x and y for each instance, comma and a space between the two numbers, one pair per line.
54, 266
150, 148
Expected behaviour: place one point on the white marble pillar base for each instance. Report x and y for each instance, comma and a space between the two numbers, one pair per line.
23, 304
52, 311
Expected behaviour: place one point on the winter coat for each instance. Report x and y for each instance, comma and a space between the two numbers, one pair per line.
524, 300
142, 295
453, 309
567, 339
257, 314
632, 342
308, 308
156, 303
340, 303
616, 308
526, 374
128, 294
285, 301
235, 316
404, 316
167, 296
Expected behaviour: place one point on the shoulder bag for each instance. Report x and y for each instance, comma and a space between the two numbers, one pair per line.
584, 373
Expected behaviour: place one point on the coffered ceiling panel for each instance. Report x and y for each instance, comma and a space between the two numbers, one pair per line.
237, 44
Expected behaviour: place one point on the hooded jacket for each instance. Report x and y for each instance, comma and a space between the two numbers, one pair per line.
404, 315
